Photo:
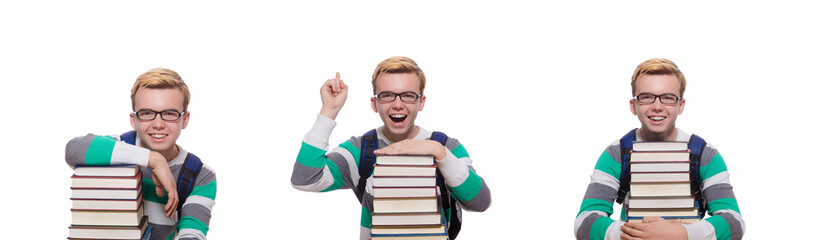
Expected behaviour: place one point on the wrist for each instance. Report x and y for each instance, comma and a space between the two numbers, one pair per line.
329, 113
680, 232
440, 153
155, 159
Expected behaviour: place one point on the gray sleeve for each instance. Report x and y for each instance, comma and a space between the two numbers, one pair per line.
76, 149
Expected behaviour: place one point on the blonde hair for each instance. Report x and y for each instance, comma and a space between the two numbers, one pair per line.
398, 64
161, 78
658, 66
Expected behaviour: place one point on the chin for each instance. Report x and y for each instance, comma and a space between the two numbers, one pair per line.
659, 130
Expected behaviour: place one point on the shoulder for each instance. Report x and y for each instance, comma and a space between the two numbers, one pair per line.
206, 174
708, 145
450, 141
356, 140
709, 149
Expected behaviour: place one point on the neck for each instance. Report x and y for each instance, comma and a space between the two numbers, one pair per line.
668, 136
171, 153
399, 137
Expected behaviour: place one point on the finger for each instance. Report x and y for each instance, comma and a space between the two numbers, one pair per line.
388, 151
335, 86
329, 86
627, 237
337, 82
627, 229
159, 191
158, 185
343, 86
171, 205
651, 219
169, 208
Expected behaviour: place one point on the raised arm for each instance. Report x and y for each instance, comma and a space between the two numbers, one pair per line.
315, 171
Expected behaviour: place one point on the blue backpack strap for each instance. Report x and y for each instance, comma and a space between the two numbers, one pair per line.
186, 180
366, 166
446, 199
696, 144
129, 137
439, 137
188, 172
626, 144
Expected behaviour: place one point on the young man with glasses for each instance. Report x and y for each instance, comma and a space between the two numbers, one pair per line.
159, 101
658, 87
398, 85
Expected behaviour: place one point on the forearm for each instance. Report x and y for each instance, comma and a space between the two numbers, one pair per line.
103, 150
593, 220
726, 221
314, 171
468, 187
596, 225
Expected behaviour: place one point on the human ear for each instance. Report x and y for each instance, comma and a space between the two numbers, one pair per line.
133, 120
422, 102
186, 115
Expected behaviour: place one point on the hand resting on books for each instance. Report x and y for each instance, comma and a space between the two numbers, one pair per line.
162, 178
654, 228
414, 147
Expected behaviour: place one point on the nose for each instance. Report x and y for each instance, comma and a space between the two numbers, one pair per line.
657, 105
158, 123
397, 104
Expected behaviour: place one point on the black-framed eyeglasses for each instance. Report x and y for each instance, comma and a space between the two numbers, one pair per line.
667, 98
168, 115
409, 97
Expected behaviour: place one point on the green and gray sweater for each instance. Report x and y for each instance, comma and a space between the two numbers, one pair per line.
593, 220
316, 171
196, 212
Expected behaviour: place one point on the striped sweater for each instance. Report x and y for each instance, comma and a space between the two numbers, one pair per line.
316, 171
196, 212
593, 220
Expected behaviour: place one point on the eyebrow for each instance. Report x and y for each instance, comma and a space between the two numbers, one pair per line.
168, 109
656, 94
398, 92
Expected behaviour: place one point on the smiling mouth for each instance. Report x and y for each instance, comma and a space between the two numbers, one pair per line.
657, 118
398, 117
158, 136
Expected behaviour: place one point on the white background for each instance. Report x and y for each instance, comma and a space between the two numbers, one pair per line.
535, 91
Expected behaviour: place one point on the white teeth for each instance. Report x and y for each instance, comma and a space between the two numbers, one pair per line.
397, 115
657, 118
158, 135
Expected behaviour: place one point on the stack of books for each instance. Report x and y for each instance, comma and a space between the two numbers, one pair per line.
107, 203
660, 182
405, 199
